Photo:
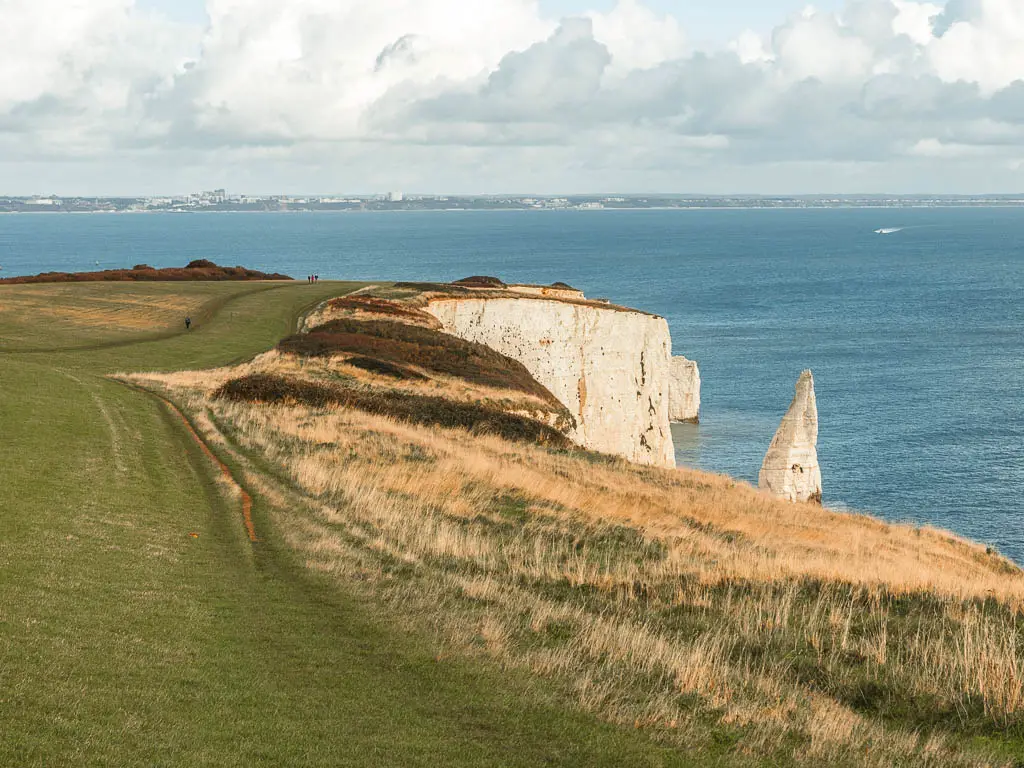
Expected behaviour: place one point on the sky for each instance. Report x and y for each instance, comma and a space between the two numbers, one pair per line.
104, 97
712, 22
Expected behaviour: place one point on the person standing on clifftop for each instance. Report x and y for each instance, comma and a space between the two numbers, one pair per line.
188, 323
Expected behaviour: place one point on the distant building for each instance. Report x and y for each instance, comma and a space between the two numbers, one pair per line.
395, 197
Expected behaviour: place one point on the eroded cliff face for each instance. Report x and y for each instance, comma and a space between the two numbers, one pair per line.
684, 391
790, 469
611, 368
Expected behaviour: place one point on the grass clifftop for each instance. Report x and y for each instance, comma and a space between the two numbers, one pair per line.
732, 627
139, 625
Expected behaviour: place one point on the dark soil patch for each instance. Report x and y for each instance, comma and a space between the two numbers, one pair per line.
422, 347
384, 368
201, 270
414, 409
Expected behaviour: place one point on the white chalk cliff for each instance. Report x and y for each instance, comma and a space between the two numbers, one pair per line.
610, 367
684, 391
790, 469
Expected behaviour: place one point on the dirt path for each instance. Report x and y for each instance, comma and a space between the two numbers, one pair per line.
225, 471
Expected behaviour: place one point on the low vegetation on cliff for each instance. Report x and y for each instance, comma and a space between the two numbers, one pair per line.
412, 345
424, 590
402, 406
739, 628
199, 270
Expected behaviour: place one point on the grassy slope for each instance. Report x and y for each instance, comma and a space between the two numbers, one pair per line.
691, 605
125, 641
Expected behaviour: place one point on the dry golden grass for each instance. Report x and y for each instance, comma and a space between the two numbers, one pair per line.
334, 368
365, 304
678, 601
89, 308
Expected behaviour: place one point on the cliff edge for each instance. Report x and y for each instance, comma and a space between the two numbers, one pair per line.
610, 366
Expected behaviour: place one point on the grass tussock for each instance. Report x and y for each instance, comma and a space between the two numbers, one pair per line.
411, 345
717, 618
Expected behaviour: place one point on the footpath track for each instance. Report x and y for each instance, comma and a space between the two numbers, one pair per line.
125, 640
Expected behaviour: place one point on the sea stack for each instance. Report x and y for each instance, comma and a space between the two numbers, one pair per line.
790, 469
684, 391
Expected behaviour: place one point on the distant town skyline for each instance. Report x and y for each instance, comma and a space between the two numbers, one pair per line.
149, 97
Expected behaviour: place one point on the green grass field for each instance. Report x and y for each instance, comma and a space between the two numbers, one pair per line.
126, 640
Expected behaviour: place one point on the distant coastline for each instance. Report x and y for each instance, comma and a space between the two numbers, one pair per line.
682, 209
220, 202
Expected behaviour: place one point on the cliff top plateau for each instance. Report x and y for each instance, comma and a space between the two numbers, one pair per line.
353, 514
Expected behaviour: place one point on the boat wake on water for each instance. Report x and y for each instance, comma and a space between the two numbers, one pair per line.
889, 230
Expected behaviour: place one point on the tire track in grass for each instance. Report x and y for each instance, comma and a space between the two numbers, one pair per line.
225, 471
115, 439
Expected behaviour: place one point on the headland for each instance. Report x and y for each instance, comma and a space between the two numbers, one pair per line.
442, 565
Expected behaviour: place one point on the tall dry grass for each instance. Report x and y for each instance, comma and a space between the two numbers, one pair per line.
681, 602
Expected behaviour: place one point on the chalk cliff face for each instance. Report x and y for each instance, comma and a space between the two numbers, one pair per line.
684, 391
790, 469
610, 368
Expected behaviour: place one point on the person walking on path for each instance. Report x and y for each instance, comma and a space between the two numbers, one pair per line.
188, 323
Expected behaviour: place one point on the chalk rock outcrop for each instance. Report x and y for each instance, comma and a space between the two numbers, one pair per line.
609, 367
684, 391
790, 469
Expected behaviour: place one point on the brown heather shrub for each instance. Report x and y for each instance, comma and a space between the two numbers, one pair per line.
201, 270
446, 288
378, 306
404, 406
422, 347
480, 281
384, 368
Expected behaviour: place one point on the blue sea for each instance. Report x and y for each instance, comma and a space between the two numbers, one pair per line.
916, 338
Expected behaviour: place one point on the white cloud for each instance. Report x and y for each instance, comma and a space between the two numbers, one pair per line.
638, 38
359, 90
72, 72
983, 44
817, 45
947, 150
915, 20
312, 68
750, 48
